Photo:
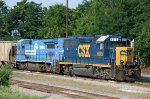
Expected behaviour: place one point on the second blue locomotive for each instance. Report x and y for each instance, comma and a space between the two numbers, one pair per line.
39, 55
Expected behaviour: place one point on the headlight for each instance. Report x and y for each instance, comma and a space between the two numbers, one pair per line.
136, 62
121, 62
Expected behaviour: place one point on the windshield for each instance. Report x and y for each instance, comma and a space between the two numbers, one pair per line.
125, 52
119, 44
116, 44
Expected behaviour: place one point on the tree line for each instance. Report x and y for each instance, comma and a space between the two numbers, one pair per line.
91, 17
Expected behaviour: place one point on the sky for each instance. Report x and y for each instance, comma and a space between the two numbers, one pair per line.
46, 3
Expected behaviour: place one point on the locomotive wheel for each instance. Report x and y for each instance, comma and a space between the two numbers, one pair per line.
17, 65
62, 70
120, 75
137, 74
96, 72
48, 69
107, 72
71, 73
105, 75
21, 66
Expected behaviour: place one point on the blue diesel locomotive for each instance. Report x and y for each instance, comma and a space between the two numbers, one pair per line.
39, 55
104, 56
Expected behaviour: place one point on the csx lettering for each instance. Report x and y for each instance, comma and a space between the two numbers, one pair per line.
83, 50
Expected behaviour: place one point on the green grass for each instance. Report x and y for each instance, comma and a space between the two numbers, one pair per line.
5, 75
7, 93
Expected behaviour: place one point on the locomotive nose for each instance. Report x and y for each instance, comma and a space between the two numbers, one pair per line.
124, 55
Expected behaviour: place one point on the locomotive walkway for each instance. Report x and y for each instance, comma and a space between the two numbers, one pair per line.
77, 87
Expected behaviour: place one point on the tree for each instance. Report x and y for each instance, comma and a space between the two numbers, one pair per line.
26, 17
84, 19
142, 42
3, 18
102, 17
54, 22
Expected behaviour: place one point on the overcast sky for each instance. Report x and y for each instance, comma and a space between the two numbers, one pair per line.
46, 3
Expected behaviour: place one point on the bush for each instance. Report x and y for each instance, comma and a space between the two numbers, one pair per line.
5, 75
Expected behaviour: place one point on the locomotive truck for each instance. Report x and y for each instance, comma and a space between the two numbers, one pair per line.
103, 56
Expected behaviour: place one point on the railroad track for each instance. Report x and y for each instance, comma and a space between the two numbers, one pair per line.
144, 81
59, 91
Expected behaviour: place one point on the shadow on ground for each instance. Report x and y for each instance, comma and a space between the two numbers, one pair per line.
145, 79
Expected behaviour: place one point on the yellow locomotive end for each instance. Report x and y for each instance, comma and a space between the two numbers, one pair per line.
124, 55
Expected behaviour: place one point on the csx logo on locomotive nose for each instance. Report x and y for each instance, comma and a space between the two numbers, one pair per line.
83, 50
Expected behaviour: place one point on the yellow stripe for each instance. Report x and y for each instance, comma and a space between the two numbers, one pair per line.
95, 65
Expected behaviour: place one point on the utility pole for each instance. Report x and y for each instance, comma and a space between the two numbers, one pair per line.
66, 18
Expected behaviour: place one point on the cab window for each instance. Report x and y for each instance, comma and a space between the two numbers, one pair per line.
101, 46
125, 52
50, 46
28, 41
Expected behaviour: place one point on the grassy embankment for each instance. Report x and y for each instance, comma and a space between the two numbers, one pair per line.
5, 90
8, 93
